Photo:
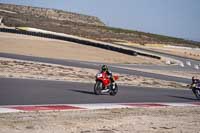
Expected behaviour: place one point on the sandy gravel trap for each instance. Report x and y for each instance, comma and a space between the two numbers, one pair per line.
137, 120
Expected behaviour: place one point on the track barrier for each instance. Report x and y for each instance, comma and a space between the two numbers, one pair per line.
80, 41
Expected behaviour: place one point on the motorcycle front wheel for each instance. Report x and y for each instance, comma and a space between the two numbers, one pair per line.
98, 87
197, 93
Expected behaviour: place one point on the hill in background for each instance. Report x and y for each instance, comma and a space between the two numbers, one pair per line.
80, 25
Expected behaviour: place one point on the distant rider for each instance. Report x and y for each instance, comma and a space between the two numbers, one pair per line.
195, 80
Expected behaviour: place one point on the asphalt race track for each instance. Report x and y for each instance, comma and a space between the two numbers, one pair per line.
31, 92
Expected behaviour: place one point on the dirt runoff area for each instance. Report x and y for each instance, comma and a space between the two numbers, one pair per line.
12, 68
137, 120
50, 48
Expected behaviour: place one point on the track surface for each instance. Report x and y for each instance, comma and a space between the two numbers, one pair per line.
30, 92
27, 92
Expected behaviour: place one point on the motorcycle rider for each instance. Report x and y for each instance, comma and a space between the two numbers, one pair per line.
104, 68
195, 80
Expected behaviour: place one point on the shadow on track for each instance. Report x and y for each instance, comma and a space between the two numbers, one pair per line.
85, 92
180, 97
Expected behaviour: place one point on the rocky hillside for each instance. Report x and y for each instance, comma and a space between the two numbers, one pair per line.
53, 14
80, 25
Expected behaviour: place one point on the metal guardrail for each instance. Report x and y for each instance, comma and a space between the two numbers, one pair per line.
84, 42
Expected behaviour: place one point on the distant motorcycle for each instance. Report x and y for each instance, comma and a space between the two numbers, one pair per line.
195, 89
103, 84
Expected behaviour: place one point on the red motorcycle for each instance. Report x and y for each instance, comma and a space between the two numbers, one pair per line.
104, 85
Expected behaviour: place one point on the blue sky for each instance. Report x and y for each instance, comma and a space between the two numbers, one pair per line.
180, 18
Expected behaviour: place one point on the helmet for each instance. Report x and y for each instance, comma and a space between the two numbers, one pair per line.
193, 79
104, 68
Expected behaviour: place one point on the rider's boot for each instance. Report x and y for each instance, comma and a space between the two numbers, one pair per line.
113, 85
